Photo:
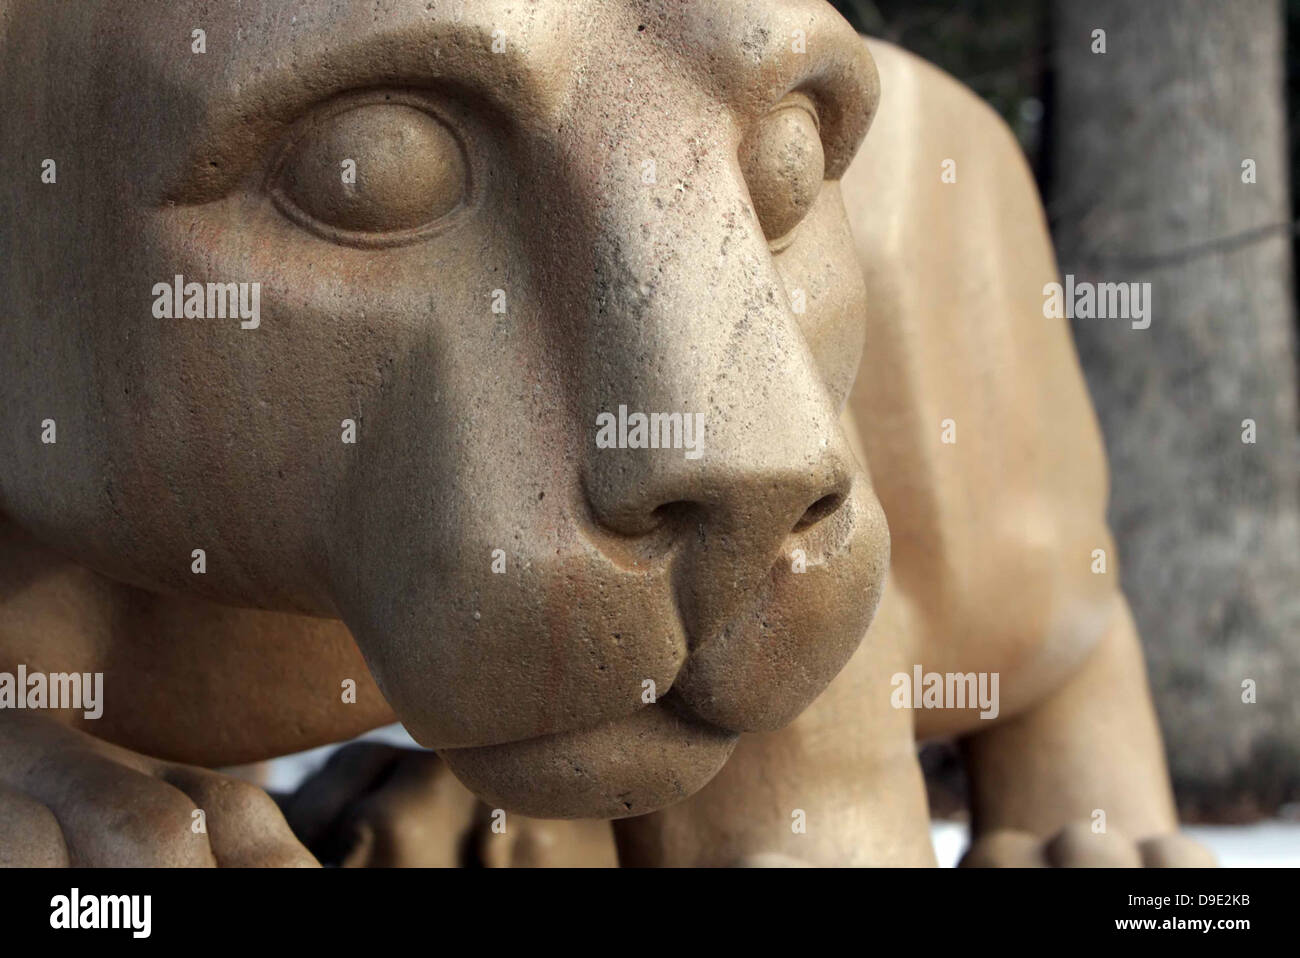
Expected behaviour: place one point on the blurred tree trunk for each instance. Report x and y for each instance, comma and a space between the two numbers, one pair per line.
1148, 142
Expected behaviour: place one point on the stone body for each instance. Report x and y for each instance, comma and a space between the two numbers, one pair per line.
652, 206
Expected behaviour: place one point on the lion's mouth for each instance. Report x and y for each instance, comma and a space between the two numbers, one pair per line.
652, 758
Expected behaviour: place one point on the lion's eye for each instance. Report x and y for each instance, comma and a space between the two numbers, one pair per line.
374, 173
784, 166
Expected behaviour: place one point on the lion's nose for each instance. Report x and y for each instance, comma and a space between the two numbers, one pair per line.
725, 521
707, 422
724, 455
751, 490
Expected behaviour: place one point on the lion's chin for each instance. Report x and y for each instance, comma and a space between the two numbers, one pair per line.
631, 766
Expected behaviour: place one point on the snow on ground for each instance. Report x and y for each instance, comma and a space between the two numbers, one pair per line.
1264, 845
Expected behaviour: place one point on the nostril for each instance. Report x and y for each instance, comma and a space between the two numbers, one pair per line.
819, 510
673, 513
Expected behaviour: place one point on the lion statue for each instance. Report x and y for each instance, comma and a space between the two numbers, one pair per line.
579, 384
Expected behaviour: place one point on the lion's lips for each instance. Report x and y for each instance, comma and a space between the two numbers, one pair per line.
648, 760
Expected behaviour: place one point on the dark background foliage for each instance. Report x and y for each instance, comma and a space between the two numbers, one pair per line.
996, 47
1001, 49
